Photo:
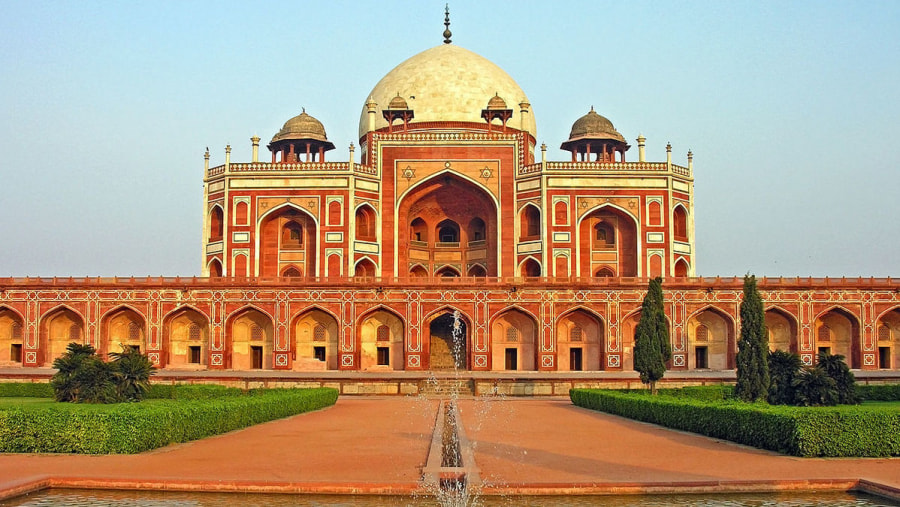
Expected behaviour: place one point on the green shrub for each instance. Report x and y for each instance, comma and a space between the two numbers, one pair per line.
783, 369
137, 427
25, 390
84, 377
846, 431
813, 387
878, 392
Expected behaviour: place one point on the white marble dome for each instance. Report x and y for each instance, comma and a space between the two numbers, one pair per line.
447, 83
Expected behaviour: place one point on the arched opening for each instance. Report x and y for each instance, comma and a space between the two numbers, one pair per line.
448, 342
315, 336
418, 231
365, 268
122, 330
711, 342
58, 329
782, 329
335, 213
241, 213
365, 223
252, 337
291, 272
477, 271
448, 234
655, 266
679, 225
240, 266
215, 269
530, 268
608, 238
513, 337
287, 237
561, 266
580, 342
477, 232
654, 213
837, 332
12, 327
887, 335
604, 272
216, 224
447, 272
187, 339
418, 272
530, 228
452, 221
381, 341
561, 213
681, 268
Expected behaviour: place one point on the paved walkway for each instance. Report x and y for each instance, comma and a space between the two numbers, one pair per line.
379, 445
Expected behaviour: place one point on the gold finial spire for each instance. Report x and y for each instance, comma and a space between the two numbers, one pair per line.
447, 32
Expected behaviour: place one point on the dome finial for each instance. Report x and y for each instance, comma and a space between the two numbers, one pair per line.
447, 32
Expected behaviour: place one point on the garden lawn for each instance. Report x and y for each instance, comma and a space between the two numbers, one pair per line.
44, 426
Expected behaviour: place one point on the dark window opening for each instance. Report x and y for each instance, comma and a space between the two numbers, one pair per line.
575, 359
701, 358
384, 356
15, 352
194, 352
256, 357
884, 357
319, 353
512, 359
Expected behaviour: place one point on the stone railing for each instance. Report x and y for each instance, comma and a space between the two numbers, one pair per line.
607, 167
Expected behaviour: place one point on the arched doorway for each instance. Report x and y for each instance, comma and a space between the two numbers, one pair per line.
837, 332
252, 338
449, 221
58, 329
315, 335
381, 336
287, 237
782, 329
887, 334
710, 341
580, 342
187, 336
608, 237
121, 330
513, 336
448, 342
11, 335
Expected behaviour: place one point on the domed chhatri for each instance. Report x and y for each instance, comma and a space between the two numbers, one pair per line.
300, 134
447, 83
593, 133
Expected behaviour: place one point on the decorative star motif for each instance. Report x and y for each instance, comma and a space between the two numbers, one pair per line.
487, 173
311, 204
409, 173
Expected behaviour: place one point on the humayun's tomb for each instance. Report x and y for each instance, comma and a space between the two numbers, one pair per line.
315, 261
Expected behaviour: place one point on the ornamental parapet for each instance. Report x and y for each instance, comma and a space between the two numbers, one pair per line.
377, 283
278, 167
660, 167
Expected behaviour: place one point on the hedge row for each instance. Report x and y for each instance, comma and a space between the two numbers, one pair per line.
25, 390
879, 392
846, 431
128, 428
157, 391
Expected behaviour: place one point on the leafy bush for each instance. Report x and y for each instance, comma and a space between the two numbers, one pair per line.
25, 390
133, 428
813, 387
783, 369
844, 381
825, 431
83, 377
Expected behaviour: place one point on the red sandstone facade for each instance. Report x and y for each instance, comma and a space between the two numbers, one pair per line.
449, 220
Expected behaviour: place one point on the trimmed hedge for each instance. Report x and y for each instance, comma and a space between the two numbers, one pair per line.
879, 392
128, 428
25, 390
190, 391
845, 431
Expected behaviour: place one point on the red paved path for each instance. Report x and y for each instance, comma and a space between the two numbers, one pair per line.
380, 445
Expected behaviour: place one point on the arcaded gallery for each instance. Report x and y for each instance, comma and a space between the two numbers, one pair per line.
445, 215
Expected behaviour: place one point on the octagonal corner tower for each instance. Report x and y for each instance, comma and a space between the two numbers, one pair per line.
447, 83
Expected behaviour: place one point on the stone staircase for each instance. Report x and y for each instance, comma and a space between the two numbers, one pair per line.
446, 386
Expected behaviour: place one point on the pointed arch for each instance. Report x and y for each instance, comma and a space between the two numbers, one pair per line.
216, 224
680, 223
842, 336
214, 268
514, 340
12, 336
477, 270
249, 339
418, 271
887, 338
365, 268
530, 225
186, 338
447, 338
580, 340
241, 213
385, 354
315, 339
366, 222
291, 271
530, 267
291, 227
782, 328
611, 233
122, 327
682, 268
58, 327
711, 339
447, 271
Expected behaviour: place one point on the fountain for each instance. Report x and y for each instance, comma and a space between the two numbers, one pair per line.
450, 472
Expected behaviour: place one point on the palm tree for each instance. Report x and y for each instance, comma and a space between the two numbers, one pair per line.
131, 371
813, 387
845, 382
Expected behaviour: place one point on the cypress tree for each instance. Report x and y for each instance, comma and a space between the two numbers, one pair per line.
753, 346
651, 338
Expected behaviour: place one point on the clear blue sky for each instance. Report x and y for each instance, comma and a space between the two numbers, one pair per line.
792, 110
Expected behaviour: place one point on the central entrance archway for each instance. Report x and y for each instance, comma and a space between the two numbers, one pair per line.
448, 343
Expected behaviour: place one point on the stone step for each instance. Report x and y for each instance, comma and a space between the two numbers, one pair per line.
446, 387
